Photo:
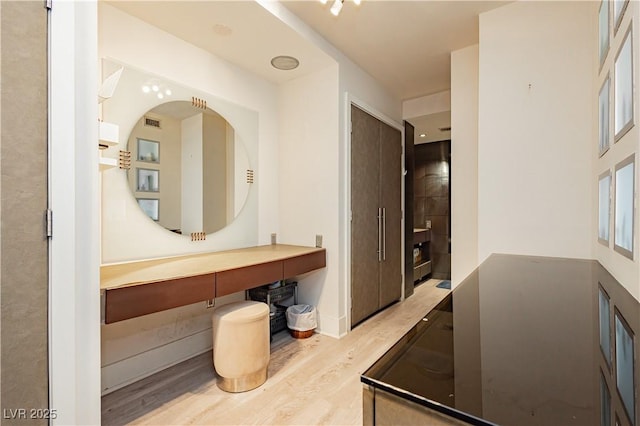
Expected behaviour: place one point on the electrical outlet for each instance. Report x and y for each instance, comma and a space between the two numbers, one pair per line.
273, 238
318, 241
428, 224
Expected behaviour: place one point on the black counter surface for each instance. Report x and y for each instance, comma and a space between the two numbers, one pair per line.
523, 341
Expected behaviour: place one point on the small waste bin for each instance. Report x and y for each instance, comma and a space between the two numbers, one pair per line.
301, 320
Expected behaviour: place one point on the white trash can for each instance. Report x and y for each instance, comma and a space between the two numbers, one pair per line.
301, 320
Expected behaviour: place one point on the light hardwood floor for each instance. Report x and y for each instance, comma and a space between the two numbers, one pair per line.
314, 381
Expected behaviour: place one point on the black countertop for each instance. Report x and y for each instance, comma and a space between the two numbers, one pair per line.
524, 341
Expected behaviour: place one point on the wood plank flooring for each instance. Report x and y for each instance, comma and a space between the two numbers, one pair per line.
314, 381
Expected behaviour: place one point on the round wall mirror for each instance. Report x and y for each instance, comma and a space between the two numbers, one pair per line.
188, 168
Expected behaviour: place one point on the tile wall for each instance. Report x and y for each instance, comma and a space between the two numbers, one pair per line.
432, 201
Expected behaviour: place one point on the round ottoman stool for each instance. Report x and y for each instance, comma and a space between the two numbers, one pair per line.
241, 345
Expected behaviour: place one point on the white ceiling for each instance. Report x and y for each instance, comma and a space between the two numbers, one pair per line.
403, 44
241, 32
430, 125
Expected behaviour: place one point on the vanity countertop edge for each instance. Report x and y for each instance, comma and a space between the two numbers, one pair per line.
136, 288
137, 272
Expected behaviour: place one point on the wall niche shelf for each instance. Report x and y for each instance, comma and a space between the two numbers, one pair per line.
107, 163
108, 134
421, 254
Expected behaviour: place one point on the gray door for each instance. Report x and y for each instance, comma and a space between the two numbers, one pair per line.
391, 203
365, 175
25, 261
376, 224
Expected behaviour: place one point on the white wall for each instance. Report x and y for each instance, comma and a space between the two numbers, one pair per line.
534, 167
127, 233
353, 84
137, 347
427, 105
74, 305
309, 184
464, 162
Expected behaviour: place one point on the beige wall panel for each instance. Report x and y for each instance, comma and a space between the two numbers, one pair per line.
23, 168
368, 413
391, 410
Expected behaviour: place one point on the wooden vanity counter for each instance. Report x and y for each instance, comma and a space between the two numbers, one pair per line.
136, 288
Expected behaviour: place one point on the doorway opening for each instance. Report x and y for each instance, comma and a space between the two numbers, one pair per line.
432, 204
430, 193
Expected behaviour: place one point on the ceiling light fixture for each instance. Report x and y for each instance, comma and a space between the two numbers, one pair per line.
337, 5
156, 87
285, 63
336, 8
422, 135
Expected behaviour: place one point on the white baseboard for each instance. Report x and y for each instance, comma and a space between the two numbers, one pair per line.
129, 370
332, 326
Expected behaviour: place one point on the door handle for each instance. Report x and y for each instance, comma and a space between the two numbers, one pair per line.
384, 233
379, 234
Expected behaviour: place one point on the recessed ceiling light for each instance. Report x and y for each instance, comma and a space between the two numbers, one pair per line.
222, 30
422, 135
285, 63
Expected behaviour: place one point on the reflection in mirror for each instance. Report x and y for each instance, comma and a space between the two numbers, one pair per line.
624, 365
189, 157
605, 332
605, 402
624, 202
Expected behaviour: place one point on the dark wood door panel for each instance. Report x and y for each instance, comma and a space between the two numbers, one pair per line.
365, 158
391, 202
134, 301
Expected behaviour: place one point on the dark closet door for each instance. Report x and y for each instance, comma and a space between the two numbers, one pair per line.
391, 203
365, 194
376, 215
